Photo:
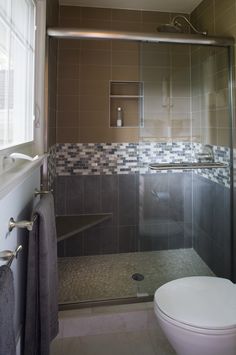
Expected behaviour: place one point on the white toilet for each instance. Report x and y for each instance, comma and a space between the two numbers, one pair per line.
198, 315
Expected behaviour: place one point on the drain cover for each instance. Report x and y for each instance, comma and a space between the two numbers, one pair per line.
137, 277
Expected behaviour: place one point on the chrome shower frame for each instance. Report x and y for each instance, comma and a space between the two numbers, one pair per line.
176, 38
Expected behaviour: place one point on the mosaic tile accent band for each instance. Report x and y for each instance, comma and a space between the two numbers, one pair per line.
52, 166
126, 158
220, 175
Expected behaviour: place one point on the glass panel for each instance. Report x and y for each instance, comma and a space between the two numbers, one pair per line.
211, 188
17, 74
5, 82
20, 17
5, 8
160, 225
18, 112
186, 119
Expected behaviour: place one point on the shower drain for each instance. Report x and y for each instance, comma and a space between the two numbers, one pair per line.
137, 277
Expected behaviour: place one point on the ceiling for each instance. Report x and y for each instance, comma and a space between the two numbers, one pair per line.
185, 6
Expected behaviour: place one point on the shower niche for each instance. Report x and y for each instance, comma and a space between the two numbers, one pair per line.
128, 97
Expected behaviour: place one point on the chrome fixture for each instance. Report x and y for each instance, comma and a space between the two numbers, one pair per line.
180, 38
206, 155
21, 224
175, 26
9, 255
22, 156
42, 192
187, 166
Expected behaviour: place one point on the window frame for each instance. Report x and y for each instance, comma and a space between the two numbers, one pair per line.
35, 146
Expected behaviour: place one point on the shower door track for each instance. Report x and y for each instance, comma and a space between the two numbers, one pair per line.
100, 303
178, 38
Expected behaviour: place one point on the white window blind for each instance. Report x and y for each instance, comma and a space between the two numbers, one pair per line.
17, 56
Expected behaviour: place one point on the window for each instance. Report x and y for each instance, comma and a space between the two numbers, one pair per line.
17, 56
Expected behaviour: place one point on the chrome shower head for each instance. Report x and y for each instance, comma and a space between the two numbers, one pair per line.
176, 27
169, 27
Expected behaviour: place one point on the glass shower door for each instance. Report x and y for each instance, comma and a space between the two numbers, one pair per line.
184, 215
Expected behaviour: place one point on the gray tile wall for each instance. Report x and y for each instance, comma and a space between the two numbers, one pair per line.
149, 212
211, 224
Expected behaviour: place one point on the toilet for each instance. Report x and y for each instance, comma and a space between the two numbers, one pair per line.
198, 315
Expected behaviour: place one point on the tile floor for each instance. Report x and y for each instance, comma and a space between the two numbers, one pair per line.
113, 330
101, 277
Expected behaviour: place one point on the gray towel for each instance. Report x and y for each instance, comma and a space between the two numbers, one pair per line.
41, 323
7, 305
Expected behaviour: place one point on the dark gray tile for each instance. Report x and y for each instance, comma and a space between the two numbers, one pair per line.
61, 249
154, 198
153, 237
109, 240
220, 262
60, 195
203, 205
109, 196
188, 197
176, 191
221, 216
92, 194
92, 245
127, 207
75, 195
127, 239
176, 235
203, 245
74, 246
188, 235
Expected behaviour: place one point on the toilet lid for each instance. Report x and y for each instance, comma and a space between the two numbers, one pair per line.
204, 302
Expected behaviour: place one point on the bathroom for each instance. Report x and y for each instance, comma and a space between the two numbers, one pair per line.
134, 126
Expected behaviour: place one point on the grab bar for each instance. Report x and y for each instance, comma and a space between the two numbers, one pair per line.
187, 166
10, 255
21, 224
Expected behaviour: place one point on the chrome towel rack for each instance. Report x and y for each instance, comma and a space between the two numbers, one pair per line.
42, 192
21, 224
9, 255
188, 166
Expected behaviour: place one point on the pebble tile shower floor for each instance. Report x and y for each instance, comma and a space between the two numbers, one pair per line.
106, 277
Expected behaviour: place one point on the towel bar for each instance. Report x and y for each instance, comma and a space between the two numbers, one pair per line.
9, 255
41, 192
21, 224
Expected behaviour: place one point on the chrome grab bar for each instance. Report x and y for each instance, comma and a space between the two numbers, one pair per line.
187, 166
21, 224
9, 255
42, 192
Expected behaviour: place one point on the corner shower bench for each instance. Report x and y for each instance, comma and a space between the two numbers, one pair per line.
68, 226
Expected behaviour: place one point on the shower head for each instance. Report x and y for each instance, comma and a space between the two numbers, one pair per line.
176, 27
168, 27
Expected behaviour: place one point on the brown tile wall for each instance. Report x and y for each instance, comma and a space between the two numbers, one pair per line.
166, 70
210, 73
51, 74
85, 68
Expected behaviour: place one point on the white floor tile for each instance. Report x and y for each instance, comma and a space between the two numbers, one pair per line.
129, 330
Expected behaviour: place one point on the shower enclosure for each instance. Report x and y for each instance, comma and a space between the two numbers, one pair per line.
159, 208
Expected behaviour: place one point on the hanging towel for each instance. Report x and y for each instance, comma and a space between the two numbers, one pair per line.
41, 323
7, 305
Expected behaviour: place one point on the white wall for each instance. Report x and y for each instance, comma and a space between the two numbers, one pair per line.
18, 204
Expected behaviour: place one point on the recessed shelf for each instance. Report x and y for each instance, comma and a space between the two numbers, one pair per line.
68, 226
128, 95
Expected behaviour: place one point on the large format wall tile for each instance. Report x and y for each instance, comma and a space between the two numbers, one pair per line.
212, 224
145, 213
